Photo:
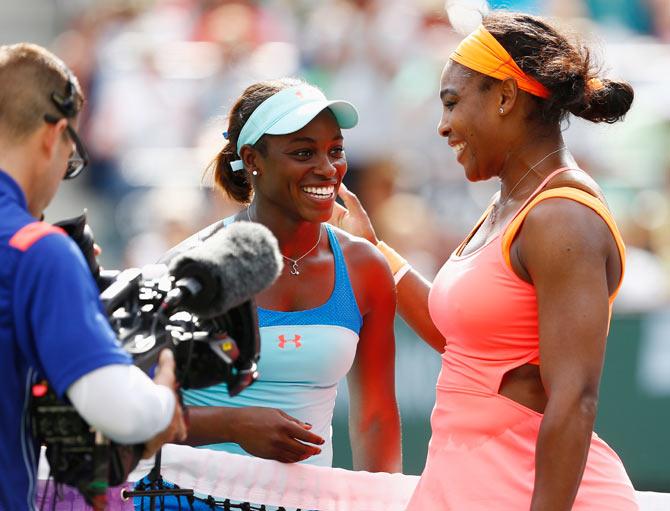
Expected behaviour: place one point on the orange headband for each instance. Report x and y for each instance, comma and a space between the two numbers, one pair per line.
481, 52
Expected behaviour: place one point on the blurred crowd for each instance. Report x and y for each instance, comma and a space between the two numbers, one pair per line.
160, 76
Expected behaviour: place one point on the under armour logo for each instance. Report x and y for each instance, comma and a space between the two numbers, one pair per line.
283, 340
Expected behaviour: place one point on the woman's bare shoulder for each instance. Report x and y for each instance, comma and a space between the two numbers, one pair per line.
362, 256
354, 246
370, 274
577, 179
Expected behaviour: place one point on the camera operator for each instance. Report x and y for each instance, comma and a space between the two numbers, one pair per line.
52, 325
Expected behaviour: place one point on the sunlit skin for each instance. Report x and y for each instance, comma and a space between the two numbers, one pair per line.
564, 250
467, 115
467, 118
284, 201
312, 156
503, 145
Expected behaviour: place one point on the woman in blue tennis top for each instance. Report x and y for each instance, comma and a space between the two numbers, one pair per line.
329, 314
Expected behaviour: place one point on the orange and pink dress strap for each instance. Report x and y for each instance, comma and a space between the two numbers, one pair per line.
576, 195
539, 189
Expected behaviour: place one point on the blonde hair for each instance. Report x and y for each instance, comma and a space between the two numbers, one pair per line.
29, 76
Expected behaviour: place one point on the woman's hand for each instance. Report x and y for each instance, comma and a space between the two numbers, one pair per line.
272, 434
412, 290
352, 217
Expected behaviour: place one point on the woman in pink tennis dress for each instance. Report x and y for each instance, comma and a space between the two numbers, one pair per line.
521, 310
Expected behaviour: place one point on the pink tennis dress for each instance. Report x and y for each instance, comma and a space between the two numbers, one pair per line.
481, 456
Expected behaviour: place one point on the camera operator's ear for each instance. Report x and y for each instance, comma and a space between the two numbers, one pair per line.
51, 135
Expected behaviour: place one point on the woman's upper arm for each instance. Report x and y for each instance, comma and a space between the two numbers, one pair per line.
564, 246
374, 421
372, 373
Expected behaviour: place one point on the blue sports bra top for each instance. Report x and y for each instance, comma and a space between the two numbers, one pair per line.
304, 354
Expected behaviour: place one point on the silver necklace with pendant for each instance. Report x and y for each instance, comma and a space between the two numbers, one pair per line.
294, 262
502, 204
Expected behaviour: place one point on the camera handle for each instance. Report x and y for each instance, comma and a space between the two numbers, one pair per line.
155, 487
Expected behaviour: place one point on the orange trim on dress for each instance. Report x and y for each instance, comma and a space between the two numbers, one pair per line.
576, 195
482, 52
511, 229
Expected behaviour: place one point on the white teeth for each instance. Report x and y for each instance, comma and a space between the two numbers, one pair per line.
458, 147
321, 191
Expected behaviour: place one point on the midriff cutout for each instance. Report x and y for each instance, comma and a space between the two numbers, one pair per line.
524, 386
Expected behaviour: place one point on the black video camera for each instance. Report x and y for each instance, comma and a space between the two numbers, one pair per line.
220, 349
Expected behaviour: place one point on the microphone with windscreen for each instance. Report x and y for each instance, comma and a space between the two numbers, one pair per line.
217, 281
225, 270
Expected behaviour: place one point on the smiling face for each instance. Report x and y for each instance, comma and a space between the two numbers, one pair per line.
471, 121
302, 171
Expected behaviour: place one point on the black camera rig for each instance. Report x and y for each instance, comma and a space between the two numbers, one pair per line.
221, 349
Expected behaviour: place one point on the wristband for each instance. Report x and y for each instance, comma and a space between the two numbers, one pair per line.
401, 273
393, 258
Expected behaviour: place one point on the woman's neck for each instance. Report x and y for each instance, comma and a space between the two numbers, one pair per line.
525, 167
295, 236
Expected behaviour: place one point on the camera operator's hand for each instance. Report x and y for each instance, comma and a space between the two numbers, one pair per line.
176, 430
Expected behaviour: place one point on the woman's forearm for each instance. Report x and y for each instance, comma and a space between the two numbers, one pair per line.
376, 448
561, 452
210, 425
413, 292
412, 289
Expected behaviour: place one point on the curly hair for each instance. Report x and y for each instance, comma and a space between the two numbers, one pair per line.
563, 66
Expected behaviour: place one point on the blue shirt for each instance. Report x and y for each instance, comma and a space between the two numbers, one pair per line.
52, 326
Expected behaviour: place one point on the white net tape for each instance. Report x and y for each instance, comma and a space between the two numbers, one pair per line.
248, 479
268, 482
